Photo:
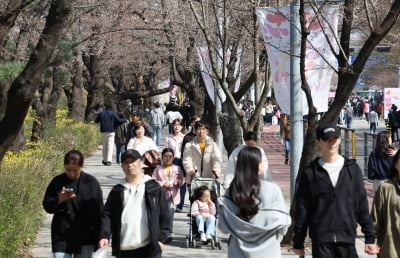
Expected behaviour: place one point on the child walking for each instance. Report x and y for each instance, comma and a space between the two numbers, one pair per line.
170, 177
203, 210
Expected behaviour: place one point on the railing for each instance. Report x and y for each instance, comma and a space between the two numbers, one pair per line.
348, 136
348, 148
369, 145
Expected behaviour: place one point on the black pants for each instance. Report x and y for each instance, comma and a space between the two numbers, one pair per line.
334, 250
143, 252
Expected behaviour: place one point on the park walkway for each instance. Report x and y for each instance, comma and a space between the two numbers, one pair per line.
110, 175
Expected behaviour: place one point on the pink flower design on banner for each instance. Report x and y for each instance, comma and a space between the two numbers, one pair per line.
275, 21
309, 18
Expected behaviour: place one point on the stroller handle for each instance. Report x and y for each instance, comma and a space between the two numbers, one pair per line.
215, 174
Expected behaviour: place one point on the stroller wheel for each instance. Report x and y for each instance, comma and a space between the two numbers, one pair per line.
187, 243
212, 244
194, 243
219, 245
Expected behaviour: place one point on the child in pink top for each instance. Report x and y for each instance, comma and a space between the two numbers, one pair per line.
170, 177
203, 210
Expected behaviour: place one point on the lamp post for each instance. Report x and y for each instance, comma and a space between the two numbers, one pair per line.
296, 98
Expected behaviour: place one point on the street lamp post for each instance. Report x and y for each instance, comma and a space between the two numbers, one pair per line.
296, 98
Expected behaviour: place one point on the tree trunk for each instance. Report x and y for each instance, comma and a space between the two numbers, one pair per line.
22, 44
76, 101
45, 103
231, 129
8, 17
23, 88
95, 98
40, 122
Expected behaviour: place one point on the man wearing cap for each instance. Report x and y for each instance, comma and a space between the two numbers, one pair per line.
134, 213
330, 200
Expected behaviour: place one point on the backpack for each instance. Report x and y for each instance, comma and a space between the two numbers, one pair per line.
151, 159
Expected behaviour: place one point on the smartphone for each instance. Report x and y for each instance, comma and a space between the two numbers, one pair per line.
69, 189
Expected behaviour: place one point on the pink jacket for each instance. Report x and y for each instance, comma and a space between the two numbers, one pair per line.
176, 175
366, 107
199, 207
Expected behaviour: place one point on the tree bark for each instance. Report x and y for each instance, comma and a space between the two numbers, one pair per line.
96, 89
8, 17
23, 88
76, 101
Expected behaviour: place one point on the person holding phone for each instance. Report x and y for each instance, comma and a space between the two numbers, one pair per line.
76, 200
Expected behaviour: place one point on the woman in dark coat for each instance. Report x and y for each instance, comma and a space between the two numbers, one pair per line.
76, 200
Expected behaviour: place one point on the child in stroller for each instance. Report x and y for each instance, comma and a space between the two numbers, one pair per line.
203, 210
203, 194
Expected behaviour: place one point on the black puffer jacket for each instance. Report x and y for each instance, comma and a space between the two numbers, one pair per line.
331, 213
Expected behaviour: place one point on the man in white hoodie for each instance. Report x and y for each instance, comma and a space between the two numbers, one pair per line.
134, 213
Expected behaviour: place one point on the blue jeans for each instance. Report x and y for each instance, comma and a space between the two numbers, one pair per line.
349, 122
182, 190
157, 129
287, 148
86, 252
208, 222
120, 149
171, 128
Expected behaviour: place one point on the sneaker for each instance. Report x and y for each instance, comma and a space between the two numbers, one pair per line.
178, 210
286, 161
203, 237
209, 237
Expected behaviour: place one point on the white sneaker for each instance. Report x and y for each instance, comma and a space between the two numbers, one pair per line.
209, 237
203, 237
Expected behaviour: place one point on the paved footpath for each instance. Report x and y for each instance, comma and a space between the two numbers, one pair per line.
109, 176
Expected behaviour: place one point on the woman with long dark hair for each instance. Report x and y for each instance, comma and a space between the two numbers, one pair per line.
252, 210
386, 211
381, 158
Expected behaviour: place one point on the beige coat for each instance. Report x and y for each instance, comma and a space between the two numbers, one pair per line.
204, 164
385, 214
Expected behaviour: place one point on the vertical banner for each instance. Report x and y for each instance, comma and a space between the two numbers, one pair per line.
391, 96
275, 28
207, 72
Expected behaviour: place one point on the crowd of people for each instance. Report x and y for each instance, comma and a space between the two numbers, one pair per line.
138, 213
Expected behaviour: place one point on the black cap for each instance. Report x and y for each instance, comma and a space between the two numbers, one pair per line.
131, 154
326, 131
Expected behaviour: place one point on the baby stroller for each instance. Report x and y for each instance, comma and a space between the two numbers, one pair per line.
193, 238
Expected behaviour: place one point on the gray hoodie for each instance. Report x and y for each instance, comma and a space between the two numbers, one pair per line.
263, 233
157, 117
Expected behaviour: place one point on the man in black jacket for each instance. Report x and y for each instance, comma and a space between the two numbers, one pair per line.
330, 201
134, 214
